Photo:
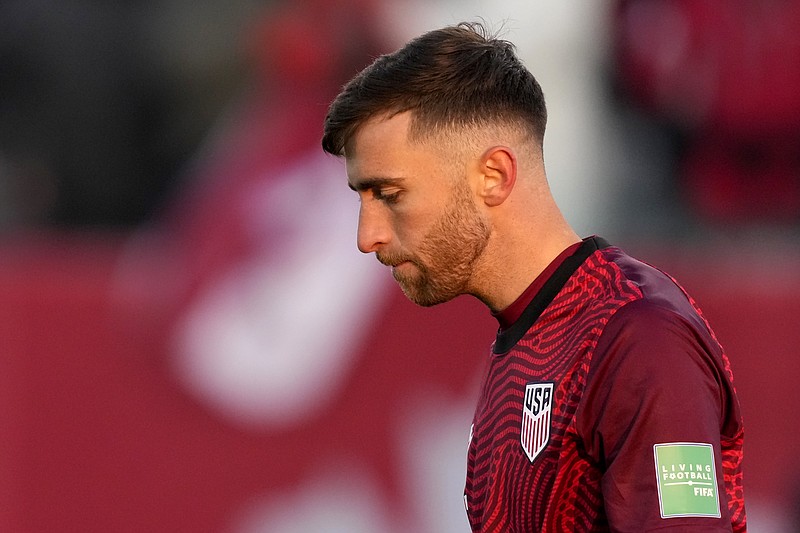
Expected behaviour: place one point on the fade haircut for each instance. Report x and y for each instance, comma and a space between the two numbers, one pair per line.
450, 79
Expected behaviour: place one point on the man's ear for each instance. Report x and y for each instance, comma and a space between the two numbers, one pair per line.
499, 170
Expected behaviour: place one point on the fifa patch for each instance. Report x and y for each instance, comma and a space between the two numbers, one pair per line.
687, 479
536, 410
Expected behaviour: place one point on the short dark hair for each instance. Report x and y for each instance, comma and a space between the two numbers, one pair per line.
458, 76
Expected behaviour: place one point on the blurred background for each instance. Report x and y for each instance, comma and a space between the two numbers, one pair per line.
189, 339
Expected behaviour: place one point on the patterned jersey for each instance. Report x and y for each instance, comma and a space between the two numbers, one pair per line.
608, 406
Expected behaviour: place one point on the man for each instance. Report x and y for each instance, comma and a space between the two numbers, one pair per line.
608, 403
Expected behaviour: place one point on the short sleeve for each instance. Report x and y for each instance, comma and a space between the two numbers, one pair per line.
656, 383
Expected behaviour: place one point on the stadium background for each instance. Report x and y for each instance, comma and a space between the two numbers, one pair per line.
189, 339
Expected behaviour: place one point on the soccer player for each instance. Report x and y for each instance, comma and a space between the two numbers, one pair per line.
608, 403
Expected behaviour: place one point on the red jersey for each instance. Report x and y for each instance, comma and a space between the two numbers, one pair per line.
608, 406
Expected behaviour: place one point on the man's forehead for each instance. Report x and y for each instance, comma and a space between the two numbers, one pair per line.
378, 129
374, 171
382, 152
379, 149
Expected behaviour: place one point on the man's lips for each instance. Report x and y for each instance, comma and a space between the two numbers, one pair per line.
392, 261
397, 264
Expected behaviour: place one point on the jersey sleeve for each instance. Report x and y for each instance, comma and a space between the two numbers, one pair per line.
656, 403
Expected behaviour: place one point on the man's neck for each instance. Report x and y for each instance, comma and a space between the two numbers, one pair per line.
513, 264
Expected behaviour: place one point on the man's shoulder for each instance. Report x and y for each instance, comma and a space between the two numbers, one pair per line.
660, 296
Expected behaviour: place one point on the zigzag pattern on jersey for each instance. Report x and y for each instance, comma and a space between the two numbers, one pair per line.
560, 490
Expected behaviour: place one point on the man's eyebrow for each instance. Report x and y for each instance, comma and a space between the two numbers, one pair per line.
371, 183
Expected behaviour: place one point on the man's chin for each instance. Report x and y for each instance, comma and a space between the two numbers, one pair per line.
417, 286
423, 297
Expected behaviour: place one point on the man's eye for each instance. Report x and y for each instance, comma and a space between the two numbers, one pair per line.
389, 198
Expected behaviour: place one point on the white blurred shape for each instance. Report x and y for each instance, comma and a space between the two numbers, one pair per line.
431, 432
289, 320
433, 440
343, 500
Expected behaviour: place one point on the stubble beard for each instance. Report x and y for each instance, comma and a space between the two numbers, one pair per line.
445, 259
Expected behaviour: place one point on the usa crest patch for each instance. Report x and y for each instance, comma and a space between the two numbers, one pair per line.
536, 410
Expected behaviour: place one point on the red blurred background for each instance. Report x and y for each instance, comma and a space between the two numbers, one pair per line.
190, 341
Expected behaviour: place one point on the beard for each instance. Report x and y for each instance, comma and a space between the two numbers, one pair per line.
445, 259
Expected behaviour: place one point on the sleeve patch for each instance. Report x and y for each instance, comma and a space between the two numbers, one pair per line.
687, 480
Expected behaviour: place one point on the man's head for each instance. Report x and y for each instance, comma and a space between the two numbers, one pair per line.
434, 136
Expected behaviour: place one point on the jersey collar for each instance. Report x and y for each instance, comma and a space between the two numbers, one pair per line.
507, 338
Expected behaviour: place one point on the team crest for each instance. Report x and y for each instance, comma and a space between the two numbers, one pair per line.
536, 409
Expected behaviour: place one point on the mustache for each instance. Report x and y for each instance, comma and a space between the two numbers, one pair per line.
391, 259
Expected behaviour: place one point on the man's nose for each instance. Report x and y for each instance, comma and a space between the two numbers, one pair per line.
373, 229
